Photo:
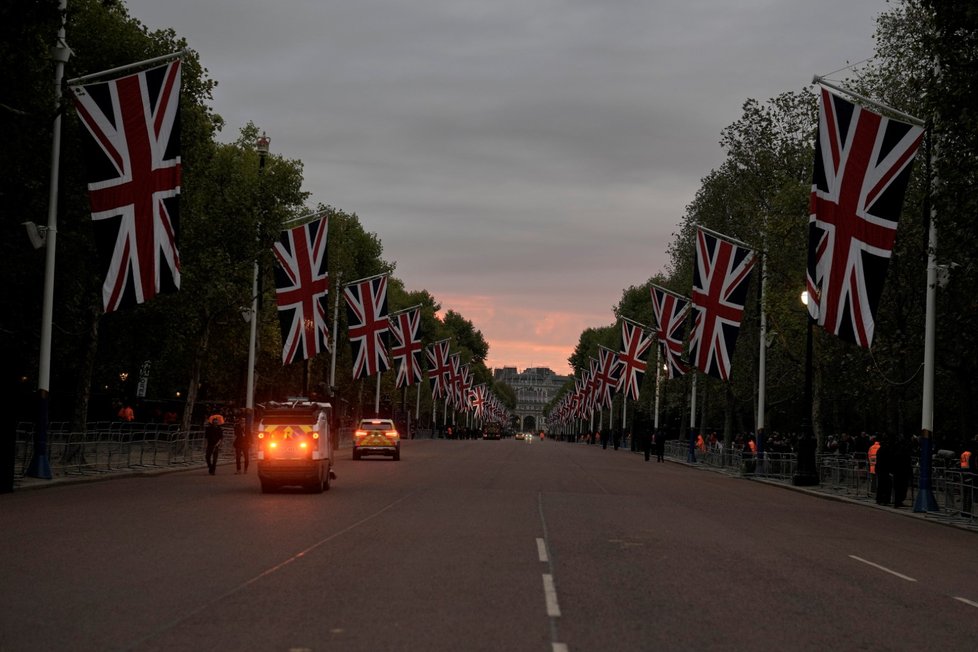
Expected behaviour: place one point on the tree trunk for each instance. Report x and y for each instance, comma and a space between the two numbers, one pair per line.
83, 389
195, 374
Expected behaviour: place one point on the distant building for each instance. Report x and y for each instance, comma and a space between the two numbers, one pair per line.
535, 387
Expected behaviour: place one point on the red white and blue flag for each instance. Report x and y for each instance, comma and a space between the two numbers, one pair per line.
133, 153
439, 367
302, 289
863, 163
366, 310
608, 378
405, 350
670, 311
635, 342
721, 278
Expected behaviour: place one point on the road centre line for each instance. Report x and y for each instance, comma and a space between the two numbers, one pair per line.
542, 550
966, 601
883, 568
550, 592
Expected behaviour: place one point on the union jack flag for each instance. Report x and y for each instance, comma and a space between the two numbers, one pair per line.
133, 152
721, 278
439, 368
301, 290
635, 342
670, 311
608, 377
405, 327
479, 399
366, 310
863, 163
455, 379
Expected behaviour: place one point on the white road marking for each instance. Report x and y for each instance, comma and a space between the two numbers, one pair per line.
883, 568
542, 550
560, 647
966, 601
553, 609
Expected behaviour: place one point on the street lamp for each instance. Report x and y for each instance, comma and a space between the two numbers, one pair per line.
806, 473
262, 147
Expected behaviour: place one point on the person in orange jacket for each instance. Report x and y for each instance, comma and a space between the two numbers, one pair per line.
871, 457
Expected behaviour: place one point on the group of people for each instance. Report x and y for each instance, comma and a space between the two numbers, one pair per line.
214, 436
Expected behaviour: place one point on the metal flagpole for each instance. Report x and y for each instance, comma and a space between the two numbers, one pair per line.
924, 500
336, 317
691, 455
658, 379
128, 66
262, 147
762, 365
39, 467
377, 396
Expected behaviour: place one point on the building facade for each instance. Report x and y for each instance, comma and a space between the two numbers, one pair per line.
534, 387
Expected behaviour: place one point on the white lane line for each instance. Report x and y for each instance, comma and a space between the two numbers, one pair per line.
542, 550
966, 601
883, 568
560, 647
553, 609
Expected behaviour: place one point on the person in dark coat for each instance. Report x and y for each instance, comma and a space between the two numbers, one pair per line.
884, 469
213, 433
242, 445
660, 445
902, 471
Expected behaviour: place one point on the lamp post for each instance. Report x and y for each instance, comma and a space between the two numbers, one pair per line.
262, 147
806, 473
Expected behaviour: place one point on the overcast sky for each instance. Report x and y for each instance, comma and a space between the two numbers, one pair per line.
522, 160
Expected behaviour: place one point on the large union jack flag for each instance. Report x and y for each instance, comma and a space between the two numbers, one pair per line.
439, 368
406, 348
366, 310
721, 278
863, 163
670, 311
133, 152
302, 289
635, 342
608, 377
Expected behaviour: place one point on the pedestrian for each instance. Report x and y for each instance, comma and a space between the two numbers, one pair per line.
616, 437
126, 413
902, 471
968, 466
884, 467
242, 445
213, 433
660, 445
871, 459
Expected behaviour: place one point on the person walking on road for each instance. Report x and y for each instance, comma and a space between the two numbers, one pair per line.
242, 445
660, 445
213, 433
884, 467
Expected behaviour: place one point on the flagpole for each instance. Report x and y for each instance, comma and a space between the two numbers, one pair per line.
655, 421
336, 318
377, 396
262, 148
39, 466
128, 66
691, 455
762, 365
862, 98
924, 500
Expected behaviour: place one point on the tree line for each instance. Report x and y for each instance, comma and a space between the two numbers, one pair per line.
924, 65
194, 342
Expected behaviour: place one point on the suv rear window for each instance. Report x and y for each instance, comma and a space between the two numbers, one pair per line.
376, 424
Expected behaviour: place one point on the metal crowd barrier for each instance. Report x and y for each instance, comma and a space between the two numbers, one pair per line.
105, 447
955, 493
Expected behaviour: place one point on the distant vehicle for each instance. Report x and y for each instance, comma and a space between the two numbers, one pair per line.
492, 431
376, 437
295, 447
520, 436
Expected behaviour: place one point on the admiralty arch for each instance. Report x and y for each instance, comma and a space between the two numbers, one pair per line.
534, 387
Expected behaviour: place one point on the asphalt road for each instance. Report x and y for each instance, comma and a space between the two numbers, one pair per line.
477, 545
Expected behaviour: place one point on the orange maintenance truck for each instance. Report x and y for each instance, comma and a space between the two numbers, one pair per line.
295, 447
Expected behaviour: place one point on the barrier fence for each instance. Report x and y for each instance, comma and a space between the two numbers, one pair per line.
844, 475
